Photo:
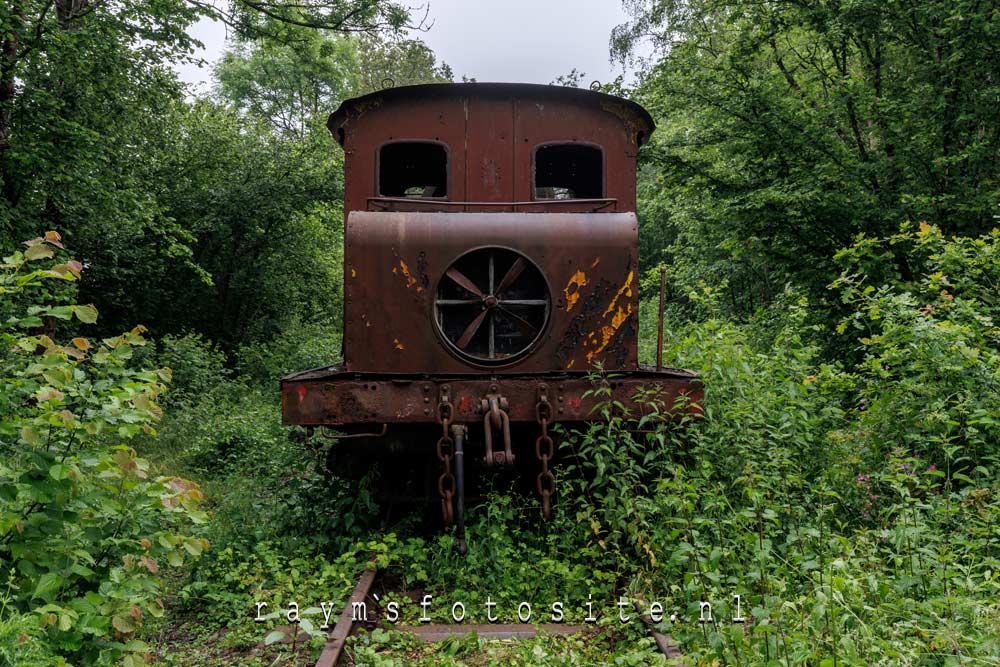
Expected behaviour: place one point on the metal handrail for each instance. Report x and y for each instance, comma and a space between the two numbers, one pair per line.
598, 203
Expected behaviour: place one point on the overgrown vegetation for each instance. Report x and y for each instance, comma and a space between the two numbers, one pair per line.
822, 189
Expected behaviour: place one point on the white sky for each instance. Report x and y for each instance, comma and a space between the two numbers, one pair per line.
531, 41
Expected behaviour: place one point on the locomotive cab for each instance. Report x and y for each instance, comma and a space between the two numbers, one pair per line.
490, 263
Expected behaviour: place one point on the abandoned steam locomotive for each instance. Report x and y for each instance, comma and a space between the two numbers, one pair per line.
490, 262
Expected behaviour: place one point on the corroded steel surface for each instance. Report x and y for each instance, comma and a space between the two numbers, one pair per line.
491, 247
396, 263
491, 133
334, 396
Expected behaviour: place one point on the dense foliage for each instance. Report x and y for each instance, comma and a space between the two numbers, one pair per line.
786, 128
84, 527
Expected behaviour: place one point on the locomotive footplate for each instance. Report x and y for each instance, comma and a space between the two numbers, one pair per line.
332, 396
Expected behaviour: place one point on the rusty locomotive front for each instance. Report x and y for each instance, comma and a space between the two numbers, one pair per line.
490, 263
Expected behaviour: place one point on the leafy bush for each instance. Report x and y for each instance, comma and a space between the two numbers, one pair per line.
931, 368
83, 528
302, 346
20, 643
196, 364
853, 509
261, 483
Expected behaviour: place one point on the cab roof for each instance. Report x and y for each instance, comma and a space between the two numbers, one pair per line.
400, 95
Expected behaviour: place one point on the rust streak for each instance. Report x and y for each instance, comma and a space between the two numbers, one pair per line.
597, 260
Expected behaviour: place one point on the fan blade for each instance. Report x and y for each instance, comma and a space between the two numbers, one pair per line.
471, 330
524, 325
512, 273
457, 276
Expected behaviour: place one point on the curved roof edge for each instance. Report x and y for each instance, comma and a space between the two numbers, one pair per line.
582, 95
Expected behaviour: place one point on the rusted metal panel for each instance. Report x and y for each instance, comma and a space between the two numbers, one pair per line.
489, 153
489, 288
537, 125
397, 263
335, 396
374, 124
491, 132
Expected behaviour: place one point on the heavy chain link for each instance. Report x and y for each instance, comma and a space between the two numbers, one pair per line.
544, 450
445, 451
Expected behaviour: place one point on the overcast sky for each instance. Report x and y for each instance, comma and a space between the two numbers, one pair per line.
531, 41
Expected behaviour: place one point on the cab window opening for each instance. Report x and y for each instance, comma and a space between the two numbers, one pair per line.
413, 169
569, 171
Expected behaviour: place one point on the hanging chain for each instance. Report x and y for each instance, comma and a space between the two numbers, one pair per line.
544, 450
445, 450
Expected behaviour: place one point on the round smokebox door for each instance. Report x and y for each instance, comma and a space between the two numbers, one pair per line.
491, 306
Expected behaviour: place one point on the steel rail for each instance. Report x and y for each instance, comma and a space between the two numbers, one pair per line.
335, 642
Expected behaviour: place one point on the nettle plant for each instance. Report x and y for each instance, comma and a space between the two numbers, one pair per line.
84, 529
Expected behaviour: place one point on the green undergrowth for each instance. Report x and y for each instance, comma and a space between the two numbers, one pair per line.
394, 649
851, 503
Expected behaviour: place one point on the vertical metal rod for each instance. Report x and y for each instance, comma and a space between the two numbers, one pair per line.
492, 332
459, 431
659, 331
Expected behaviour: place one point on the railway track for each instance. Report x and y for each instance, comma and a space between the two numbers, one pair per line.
432, 632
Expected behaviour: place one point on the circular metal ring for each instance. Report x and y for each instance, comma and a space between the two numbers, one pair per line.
444, 441
547, 441
446, 492
491, 306
549, 488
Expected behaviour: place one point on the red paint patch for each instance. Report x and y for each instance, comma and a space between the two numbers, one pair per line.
575, 404
463, 404
302, 393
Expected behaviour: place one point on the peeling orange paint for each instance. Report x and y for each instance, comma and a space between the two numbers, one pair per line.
572, 291
410, 280
397, 344
354, 273
620, 316
626, 289
608, 331
597, 260
570, 364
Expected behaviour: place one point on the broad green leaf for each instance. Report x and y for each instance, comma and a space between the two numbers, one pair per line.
38, 251
86, 314
123, 624
47, 585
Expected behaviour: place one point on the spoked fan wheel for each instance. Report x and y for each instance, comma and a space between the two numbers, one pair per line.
492, 305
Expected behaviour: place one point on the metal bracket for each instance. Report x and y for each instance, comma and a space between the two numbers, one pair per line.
494, 408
